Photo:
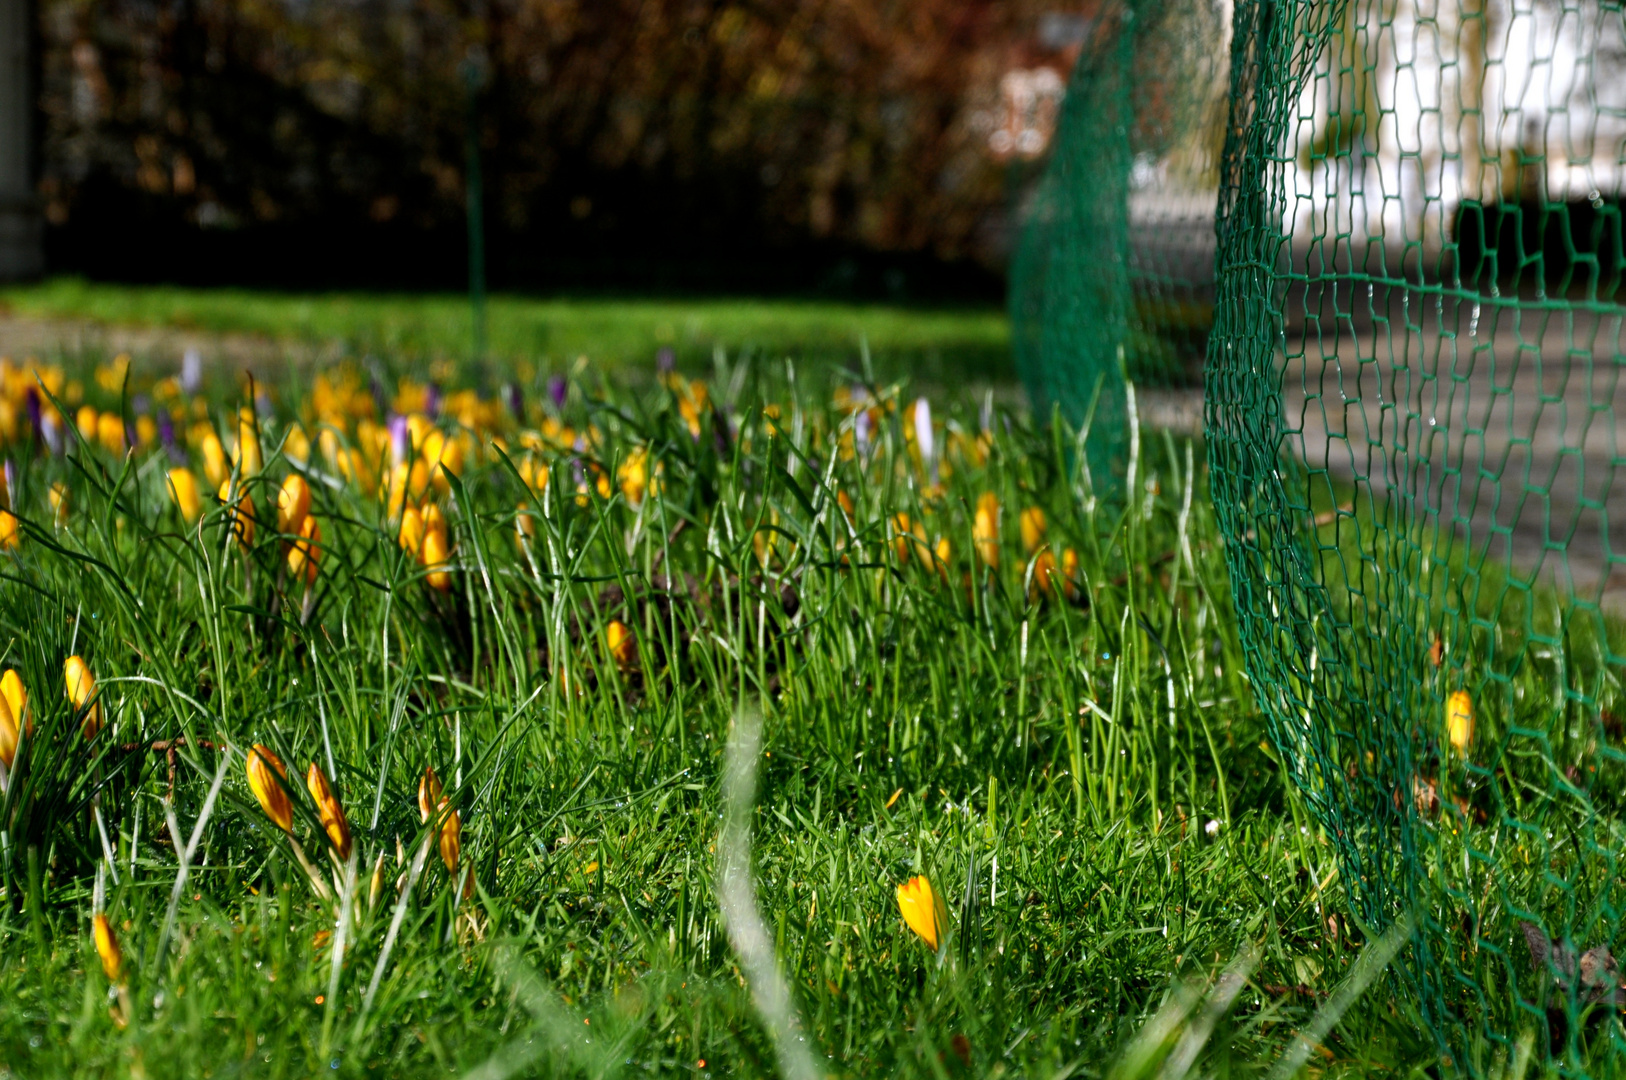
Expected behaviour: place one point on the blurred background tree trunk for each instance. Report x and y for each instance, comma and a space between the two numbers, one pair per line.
22, 252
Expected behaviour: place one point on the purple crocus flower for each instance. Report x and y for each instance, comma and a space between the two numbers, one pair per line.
558, 390
166, 437
665, 360
52, 433
431, 400
516, 401
923, 436
191, 371
11, 482
400, 439
32, 401
861, 432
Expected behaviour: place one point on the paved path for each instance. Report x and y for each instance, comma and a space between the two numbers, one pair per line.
50, 339
1506, 426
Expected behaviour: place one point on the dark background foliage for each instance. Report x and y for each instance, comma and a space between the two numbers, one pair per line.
834, 146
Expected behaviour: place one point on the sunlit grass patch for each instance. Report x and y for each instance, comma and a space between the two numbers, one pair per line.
408, 748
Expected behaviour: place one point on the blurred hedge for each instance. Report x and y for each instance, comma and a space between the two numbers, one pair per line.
779, 137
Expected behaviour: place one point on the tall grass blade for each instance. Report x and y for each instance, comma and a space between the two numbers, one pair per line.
1368, 966
736, 895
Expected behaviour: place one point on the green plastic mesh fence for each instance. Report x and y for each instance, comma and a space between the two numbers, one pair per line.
1413, 411
1112, 272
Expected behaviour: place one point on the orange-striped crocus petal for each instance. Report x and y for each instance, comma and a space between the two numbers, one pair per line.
329, 810
267, 778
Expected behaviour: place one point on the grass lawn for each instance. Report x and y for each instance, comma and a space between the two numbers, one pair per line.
1044, 714
947, 342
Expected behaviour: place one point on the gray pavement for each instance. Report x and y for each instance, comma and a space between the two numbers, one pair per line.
1502, 424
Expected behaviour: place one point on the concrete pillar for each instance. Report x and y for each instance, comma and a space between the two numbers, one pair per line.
22, 232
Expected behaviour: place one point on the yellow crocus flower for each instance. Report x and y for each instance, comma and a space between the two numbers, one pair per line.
435, 554
242, 514
183, 488
293, 504
81, 688
304, 552
1459, 721
216, 469
1033, 524
623, 648
985, 529
16, 695
107, 947
922, 909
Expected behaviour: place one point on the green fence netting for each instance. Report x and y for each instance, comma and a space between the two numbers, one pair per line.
1112, 270
1413, 408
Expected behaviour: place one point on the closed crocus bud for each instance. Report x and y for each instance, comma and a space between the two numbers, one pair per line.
60, 501
941, 555
1069, 574
10, 536
900, 538
619, 640
329, 810
411, 535
297, 445
215, 466
81, 688
534, 473
406, 485
110, 433
922, 909
248, 443
85, 421
1459, 721
923, 437
16, 695
183, 489
444, 457
242, 514
293, 504
433, 519
451, 836
985, 530
1044, 574
107, 946
304, 552
434, 558
428, 793
9, 734
266, 778
1032, 524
